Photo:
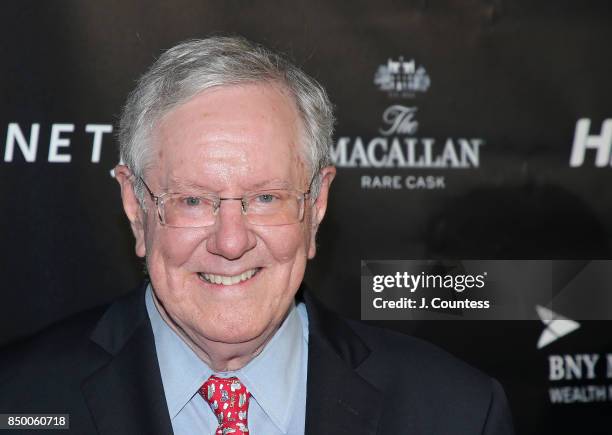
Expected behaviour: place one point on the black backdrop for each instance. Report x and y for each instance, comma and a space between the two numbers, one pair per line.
504, 81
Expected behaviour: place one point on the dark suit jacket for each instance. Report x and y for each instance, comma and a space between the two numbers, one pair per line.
101, 368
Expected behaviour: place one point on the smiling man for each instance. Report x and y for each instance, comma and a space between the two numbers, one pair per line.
225, 183
228, 232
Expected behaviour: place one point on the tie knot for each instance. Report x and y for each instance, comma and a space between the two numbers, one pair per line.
229, 400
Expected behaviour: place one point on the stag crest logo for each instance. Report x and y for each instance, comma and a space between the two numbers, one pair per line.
402, 78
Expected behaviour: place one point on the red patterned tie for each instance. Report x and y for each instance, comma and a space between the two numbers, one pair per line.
229, 400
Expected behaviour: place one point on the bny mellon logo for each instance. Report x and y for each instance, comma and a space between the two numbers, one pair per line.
557, 326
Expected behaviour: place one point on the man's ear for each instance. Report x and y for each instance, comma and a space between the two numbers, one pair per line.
319, 206
132, 207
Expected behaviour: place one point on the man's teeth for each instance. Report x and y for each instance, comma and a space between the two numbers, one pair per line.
228, 280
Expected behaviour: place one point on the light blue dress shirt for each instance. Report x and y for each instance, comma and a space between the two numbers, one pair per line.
276, 378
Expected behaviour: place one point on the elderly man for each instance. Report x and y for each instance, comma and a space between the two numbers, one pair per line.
226, 180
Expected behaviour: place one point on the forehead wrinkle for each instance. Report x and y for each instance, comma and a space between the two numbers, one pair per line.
183, 184
272, 183
225, 150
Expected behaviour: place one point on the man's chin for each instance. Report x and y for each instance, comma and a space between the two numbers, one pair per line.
237, 335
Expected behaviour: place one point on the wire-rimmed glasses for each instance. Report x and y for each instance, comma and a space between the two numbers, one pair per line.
268, 207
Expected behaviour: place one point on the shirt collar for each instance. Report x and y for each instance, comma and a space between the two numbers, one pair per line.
182, 372
272, 377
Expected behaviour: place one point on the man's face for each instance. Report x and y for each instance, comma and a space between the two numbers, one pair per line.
228, 141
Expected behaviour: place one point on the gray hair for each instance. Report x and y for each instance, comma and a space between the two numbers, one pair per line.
196, 65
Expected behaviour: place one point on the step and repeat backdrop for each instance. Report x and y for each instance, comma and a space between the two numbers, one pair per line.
470, 130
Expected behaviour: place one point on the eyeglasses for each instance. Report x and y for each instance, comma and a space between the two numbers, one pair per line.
266, 207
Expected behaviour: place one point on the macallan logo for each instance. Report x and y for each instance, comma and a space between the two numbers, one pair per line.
398, 148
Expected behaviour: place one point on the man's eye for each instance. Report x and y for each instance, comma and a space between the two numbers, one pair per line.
192, 201
266, 198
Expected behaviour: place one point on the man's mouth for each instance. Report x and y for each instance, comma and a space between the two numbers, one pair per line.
212, 278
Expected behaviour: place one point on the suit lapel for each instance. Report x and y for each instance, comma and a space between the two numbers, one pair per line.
339, 401
125, 395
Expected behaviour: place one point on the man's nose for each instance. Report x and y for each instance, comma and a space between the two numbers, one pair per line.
232, 236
